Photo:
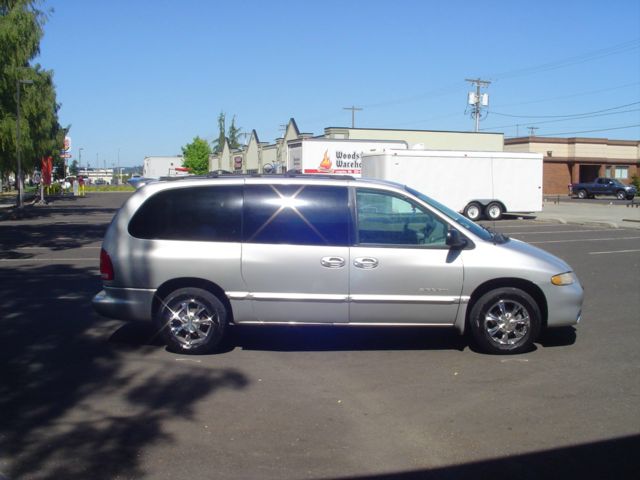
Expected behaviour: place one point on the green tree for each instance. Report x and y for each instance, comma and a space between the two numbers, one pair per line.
21, 29
73, 168
219, 143
196, 156
234, 133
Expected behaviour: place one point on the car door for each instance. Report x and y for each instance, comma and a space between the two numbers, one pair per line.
402, 271
295, 252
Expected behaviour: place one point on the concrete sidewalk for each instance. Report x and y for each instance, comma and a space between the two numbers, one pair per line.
614, 215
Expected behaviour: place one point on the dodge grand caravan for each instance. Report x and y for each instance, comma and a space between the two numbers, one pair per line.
198, 254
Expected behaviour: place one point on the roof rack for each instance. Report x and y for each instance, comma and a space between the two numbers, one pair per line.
288, 174
326, 176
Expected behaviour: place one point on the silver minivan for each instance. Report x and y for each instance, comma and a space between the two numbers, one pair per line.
198, 254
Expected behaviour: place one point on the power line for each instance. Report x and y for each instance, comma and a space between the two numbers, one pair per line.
591, 92
569, 61
564, 116
563, 119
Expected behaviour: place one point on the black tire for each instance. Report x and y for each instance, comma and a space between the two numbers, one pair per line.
473, 211
192, 321
494, 211
505, 321
621, 194
582, 194
630, 197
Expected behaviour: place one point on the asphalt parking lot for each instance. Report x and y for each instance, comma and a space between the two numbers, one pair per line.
86, 397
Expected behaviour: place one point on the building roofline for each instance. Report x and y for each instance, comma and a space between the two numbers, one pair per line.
412, 130
571, 141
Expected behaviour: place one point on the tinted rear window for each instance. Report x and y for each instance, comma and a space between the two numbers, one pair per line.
212, 213
297, 214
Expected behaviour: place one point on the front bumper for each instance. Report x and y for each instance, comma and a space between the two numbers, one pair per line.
564, 304
124, 303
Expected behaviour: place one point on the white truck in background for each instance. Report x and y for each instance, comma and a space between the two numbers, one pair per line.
163, 166
476, 184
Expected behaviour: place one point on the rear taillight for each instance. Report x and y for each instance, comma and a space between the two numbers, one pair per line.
106, 267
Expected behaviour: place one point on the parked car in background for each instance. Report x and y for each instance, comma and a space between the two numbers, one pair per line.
603, 186
194, 255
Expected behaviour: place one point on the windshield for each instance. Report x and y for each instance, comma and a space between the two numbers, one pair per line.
455, 216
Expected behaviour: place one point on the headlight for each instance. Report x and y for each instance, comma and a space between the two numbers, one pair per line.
566, 278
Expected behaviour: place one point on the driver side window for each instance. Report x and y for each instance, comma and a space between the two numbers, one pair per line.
388, 219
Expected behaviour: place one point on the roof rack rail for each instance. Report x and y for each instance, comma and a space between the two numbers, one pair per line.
288, 174
219, 173
327, 176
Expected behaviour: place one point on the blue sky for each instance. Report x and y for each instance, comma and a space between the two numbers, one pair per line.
143, 77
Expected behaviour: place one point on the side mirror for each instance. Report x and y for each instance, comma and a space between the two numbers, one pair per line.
455, 239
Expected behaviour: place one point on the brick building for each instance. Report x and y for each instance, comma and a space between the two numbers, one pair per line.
569, 160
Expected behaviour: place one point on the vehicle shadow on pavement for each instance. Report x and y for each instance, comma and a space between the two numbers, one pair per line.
319, 338
72, 405
558, 337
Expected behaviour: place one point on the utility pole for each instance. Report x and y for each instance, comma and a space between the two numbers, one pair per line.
353, 109
532, 131
477, 100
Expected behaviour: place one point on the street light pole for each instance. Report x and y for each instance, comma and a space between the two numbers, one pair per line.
80, 157
19, 173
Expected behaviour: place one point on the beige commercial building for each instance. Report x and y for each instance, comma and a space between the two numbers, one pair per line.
261, 157
571, 160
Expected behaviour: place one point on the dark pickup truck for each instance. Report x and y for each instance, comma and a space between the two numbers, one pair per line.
603, 186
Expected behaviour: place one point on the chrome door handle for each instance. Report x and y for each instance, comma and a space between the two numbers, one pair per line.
366, 262
332, 262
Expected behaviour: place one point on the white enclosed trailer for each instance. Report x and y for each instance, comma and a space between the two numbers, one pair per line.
319, 155
473, 183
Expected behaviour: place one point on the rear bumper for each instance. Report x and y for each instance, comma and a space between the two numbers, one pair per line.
124, 303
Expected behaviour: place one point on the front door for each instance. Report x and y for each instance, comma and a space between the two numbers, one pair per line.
402, 271
295, 254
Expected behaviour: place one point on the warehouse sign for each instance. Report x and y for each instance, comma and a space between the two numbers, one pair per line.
334, 157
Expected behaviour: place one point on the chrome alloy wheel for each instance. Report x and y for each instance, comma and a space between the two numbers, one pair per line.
190, 321
507, 322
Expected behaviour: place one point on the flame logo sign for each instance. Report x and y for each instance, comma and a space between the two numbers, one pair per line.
325, 164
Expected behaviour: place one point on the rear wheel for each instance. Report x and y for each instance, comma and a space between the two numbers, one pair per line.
192, 320
505, 321
494, 211
582, 194
473, 211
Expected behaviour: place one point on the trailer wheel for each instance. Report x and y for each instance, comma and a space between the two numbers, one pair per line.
473, 211
494, 211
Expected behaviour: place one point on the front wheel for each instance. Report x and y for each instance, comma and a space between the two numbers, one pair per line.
621, 194
192, 321
473, 211
505, 321
494, 211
